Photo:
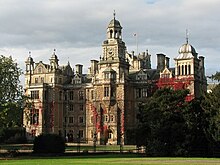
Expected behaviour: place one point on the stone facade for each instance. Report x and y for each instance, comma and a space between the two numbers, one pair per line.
101, 105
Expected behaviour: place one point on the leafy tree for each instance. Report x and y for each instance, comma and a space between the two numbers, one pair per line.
211, 107
49, 143
11, 93
216, 76
197, 121
162, 125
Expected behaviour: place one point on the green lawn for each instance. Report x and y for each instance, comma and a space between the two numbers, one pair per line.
102, 160
71, 147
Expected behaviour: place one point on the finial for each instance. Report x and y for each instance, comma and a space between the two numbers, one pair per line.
147, 51
114, 14
68, 63
187, 36
29, 53
54, 50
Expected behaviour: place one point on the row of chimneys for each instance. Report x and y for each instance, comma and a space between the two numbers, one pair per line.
162, 61
93, 69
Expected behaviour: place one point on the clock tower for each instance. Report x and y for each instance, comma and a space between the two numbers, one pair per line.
114, 47
109, 85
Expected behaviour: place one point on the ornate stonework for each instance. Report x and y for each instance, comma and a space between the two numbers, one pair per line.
101, 105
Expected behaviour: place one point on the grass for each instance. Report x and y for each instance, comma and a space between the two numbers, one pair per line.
110, 160
71, 147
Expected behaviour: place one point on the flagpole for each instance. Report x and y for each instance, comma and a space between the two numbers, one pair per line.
136, 37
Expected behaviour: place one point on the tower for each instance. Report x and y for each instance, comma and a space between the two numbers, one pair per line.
54, 61
114, 47
29, 68
188, 69
107, 104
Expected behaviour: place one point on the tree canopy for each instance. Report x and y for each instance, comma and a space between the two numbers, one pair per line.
11, 93
170, 126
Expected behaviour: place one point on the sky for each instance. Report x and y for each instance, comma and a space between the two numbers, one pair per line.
77, 28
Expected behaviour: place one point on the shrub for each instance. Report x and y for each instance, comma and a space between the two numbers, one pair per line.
12, 135
17, 139
49, 143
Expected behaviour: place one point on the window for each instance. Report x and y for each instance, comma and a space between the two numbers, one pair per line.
189, 69
81, 95
110, 134
33, 132
182, 69
36, 80
81, 108
42, 80
60, 80
70, 107
81, 119
92, 119
71, 95
111, 32
178, 70
112, 118
35, 94
106, 118
144, 92
185, 69
60, 95
107, 75
138, 93
113, 76
71, 120
92, 94
39, 70
92, 135
80, 135
165, 75
34, 116
106, 91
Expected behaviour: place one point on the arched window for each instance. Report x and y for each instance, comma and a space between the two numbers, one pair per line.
110, 134
120, 34
185, 69
189, 69
182, 69
116, 34
111, 32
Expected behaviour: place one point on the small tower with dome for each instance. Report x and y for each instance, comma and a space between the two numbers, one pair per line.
189, 66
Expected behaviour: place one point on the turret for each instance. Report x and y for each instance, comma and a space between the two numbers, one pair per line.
54, 61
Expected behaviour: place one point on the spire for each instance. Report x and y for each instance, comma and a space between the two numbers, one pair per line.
187, 36
114, 14
68, 63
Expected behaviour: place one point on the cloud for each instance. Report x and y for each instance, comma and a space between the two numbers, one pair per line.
78, 28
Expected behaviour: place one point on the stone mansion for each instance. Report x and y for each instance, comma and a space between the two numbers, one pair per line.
103, 103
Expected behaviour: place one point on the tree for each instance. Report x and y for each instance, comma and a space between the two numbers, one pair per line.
211, 107
216, 76
11, 93
162, 124
49, 143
